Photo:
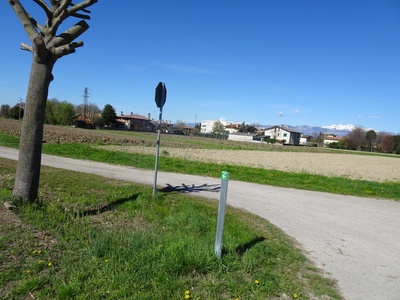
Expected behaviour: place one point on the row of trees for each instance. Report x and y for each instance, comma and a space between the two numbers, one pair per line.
65, 113
368, 140
15, 112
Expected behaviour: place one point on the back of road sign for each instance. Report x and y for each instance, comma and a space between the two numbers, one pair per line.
161, 94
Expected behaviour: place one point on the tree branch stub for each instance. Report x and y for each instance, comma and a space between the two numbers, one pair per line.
69, 35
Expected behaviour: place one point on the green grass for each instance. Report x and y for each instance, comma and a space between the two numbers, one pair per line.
339, 185
8, 140
94, 238
305, 181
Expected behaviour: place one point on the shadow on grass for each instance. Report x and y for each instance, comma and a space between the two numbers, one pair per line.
244, 247
191, 188
107, 207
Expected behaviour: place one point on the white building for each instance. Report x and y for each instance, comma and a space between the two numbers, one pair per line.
207, 125
283, 134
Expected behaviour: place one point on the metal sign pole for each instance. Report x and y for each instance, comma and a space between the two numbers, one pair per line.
160, 98
221, 213
157, 152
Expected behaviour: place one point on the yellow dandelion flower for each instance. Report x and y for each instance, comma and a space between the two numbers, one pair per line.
256, 281
50, 264
187, 292
295, 296
28, 271
187, 296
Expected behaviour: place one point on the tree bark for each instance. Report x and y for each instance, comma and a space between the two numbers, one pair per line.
30, 149
46, 47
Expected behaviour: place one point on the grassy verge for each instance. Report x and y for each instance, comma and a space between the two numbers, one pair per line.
338, 185
94, 238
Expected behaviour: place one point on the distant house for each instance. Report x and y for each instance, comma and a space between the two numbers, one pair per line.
331, 138
232, 128
305, 139
86, 121
136, 122
284, 134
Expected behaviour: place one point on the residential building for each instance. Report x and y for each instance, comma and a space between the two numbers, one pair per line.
305, 139
207, 126
331, 138
136, 122
283, 134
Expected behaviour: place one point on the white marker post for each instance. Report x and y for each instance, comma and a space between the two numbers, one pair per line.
161, 97
221, 213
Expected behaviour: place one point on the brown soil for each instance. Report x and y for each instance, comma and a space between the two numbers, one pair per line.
62, 134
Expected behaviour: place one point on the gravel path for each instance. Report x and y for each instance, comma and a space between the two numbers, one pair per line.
367, 167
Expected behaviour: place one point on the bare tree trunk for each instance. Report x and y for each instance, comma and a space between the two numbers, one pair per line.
30, 149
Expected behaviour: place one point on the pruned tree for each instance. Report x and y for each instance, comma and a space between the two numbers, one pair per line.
47, 46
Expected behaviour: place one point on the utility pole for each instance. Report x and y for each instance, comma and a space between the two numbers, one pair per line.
19, 111
85, 101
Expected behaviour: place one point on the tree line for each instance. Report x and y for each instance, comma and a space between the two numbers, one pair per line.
361, 139
64, 113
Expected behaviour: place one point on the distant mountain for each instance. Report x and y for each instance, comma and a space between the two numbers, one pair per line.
340, 127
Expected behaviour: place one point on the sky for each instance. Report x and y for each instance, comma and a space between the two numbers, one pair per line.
268, 62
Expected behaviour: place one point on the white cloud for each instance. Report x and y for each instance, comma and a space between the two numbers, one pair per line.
296, 111
280, 113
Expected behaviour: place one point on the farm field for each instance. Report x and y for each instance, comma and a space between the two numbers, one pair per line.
320, 161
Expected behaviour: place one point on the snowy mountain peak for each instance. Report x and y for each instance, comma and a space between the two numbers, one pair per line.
347, 127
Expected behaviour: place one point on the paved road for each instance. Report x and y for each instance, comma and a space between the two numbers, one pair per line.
354, 240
